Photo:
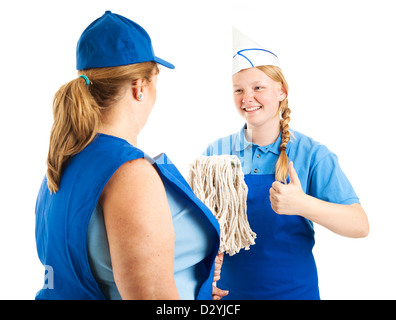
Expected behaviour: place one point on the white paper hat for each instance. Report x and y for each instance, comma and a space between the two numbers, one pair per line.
248, 53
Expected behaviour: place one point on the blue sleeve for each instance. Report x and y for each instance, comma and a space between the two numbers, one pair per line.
329, 183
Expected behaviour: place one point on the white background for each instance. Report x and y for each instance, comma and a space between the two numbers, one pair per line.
338, 57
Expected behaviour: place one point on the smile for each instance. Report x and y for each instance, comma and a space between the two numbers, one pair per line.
251, 109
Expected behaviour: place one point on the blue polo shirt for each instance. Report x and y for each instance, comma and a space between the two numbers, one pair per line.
317, 167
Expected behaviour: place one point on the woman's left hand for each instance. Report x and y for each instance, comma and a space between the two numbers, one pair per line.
218, 264
217, 293
286, 198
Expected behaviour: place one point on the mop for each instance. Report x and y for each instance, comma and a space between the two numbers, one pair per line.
218, 182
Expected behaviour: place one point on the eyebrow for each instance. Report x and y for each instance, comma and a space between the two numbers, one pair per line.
258, 82
254, 83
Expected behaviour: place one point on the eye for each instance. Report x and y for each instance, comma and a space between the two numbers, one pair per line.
237, 91
258, 88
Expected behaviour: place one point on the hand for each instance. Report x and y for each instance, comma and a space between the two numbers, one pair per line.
218, 264
217, 293
286, 198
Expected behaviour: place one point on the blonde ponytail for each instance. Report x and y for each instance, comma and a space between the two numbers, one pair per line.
76, 119
282, 165
77, 110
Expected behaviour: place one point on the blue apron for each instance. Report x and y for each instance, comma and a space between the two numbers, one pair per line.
280, 266
62, 218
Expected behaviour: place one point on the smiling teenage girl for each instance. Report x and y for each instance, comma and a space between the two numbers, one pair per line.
281, 210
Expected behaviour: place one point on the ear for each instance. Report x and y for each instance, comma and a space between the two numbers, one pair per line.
282, 93
137, 88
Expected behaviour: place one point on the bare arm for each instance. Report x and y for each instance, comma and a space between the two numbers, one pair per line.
346, 220
140, 232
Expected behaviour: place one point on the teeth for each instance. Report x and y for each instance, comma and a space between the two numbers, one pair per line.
252, 109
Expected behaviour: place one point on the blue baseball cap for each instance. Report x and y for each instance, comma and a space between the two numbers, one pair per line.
113, 40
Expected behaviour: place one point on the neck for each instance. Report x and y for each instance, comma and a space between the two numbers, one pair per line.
263, 135
119, 132
121, 122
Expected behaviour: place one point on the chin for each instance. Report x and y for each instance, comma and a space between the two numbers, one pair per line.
257, 122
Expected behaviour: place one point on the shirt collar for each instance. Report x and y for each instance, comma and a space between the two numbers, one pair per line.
240, 143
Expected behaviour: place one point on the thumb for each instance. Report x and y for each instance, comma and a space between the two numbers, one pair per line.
293, 174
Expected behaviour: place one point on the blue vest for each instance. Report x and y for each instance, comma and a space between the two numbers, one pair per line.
280, 266
62, 218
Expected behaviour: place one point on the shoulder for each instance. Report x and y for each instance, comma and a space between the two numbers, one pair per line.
301, 142
136, 168
107, 152
137, 171
307, 149
134, 179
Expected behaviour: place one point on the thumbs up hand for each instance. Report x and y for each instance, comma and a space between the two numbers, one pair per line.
287, 198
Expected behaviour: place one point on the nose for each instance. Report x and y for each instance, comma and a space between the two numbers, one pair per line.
248, 97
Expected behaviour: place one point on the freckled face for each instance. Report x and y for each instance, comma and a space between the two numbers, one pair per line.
257, 96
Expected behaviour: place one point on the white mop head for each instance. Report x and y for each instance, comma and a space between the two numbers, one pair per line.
218, 182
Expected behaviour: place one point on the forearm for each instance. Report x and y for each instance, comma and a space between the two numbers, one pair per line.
346, 220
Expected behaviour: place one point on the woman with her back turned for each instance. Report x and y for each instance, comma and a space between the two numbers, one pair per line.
106, 212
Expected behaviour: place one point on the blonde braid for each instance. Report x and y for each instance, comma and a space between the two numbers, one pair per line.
282, 165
